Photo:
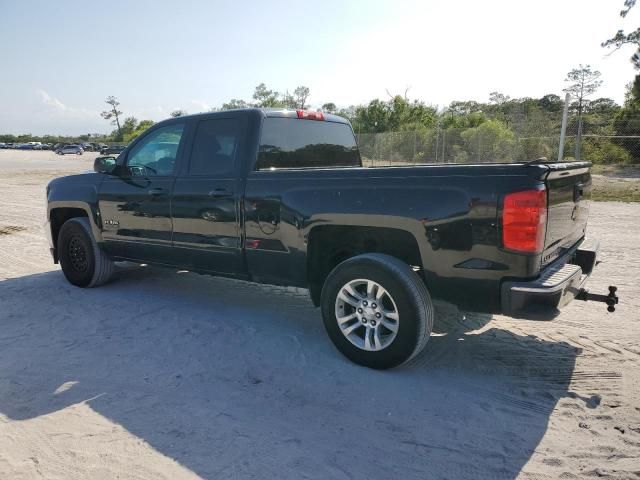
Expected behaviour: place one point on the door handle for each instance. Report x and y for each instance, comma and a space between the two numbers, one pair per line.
154, 192
219, 192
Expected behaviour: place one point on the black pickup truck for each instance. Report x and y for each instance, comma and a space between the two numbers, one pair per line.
281, 197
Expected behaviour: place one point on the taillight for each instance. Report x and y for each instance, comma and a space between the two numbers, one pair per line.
310, 115
524, 221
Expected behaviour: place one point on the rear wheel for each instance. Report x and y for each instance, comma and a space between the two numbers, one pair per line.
82, 261
377, 310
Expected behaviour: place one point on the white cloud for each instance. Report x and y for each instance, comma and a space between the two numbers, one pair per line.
50, 101
58, 109
202, 106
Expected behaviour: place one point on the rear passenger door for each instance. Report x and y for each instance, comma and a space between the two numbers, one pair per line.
206, 198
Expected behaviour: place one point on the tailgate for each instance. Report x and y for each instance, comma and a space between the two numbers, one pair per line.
569, 195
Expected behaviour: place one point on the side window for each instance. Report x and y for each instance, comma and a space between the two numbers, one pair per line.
156, 153
215, 146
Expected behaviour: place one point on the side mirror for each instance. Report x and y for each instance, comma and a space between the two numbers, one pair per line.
104, 164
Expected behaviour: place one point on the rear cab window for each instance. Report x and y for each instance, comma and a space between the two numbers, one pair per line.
299, 143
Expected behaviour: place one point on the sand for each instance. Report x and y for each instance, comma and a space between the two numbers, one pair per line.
169, 375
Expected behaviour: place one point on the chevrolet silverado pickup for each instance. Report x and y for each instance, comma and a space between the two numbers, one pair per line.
281, 197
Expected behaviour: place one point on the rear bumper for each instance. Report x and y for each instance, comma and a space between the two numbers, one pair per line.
556, 286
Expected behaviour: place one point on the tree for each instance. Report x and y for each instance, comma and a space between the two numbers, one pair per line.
393, 115
498, 98
131, 128
129, 125
266, 98
627, 121
602, 106
300, 96
491, 141
234, 103
178, 113
112, 113
620, 38
329, 107
551, 103
584, 82
464, 108
288, 101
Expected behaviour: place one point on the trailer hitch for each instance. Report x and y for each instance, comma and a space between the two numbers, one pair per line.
611, 300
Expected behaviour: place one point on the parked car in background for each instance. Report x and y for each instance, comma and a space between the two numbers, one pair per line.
87, 147
3, 145
112, 150
77, 149
26, 146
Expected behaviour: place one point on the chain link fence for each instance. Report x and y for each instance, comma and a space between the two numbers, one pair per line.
521, 135
477, 145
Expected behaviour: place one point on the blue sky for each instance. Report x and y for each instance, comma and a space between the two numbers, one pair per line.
60, 59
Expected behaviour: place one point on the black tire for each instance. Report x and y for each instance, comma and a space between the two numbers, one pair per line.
409, 295
83, 263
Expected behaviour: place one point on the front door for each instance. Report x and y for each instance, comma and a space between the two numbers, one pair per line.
206, 199
135, 205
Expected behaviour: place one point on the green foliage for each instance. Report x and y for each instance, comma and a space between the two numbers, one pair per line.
266, 98
396, 114
621, 38
402, 130
178, 113
131, 129
599, 150
235, 103
263, 97
300, 97
491, 141
451, 119
551, 103
627, 120
329, 107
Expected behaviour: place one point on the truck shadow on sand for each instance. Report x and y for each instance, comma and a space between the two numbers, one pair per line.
232, 379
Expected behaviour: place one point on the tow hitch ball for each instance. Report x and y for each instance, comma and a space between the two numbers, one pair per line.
611, 300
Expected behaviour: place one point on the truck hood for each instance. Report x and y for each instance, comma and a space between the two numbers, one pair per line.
88, 176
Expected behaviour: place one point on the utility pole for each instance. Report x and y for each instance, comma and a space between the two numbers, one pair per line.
579, 136
563, 129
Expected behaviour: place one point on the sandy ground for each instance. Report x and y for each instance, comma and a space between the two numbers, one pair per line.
173, 375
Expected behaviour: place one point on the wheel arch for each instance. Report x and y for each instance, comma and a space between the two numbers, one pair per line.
330, 245
60, 212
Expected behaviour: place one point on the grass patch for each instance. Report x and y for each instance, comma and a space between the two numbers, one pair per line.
615, 195
618, 195
8, 230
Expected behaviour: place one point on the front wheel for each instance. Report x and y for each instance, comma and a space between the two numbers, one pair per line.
377, 310
83, 263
